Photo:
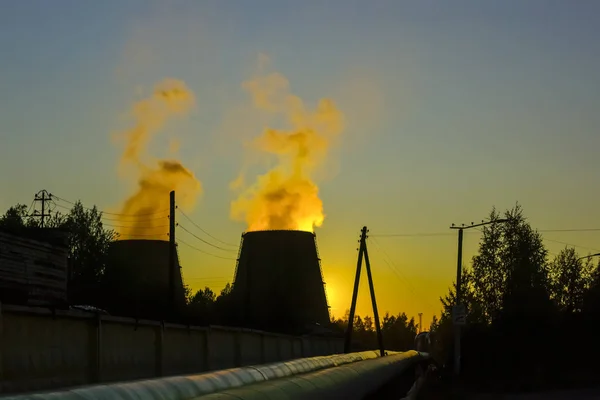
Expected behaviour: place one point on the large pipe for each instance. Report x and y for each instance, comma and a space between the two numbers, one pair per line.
348, 382
191, 386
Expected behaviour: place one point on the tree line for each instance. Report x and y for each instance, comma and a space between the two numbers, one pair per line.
398, 331
529, 313
89, 241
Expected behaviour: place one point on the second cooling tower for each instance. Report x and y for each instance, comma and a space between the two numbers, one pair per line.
278, 282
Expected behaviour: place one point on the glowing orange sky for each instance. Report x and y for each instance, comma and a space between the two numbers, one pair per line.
443, 119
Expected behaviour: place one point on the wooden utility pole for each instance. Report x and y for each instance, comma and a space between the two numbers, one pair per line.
363, 252
458, 311
420, 322
42, 196
172, 253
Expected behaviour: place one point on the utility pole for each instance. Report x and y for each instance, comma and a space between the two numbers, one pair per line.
42, 196
363, 252
172, 252
459, 311
420, 322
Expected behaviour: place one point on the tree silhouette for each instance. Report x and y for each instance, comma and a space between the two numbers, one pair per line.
521, 306
398, 331
510, 265
88, 243
570, 277
17, 218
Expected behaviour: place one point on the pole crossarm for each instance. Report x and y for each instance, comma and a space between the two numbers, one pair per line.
482, 223
589, 256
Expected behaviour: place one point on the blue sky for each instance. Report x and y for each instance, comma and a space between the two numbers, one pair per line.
452, 107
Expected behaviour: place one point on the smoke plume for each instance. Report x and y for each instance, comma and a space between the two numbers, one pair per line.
287, 197
145, 212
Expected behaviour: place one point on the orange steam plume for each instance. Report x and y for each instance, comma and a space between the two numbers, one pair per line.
145, 211
286, 197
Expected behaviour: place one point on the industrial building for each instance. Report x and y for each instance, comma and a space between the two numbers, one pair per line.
136, 281
34, 267
278, 284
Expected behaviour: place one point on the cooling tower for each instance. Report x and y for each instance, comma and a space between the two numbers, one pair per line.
137, 280
278, 283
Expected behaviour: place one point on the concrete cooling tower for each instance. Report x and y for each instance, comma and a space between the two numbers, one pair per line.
278, 283
137, 280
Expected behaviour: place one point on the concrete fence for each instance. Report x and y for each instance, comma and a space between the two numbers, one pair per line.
41, 349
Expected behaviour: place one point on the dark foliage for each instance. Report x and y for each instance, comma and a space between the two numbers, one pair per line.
88, 245
525, 312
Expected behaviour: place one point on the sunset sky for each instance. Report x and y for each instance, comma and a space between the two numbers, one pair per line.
450, 108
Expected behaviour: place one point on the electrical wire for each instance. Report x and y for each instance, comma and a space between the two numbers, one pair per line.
134, 235
452, 234
110, 213
203, 231
204, 241
416, 234
571, 244
388, 261
135, 226
111, 221
29, 214
209, 278
204, 252
570, 230
135, 220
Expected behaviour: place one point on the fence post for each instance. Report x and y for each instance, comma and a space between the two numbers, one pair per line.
263, 348
1, 341
96, 349
278, 342
158, 360
207, 349
237, 355
305, 347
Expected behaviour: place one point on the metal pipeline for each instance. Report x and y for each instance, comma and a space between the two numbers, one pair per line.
348, 382
192, 386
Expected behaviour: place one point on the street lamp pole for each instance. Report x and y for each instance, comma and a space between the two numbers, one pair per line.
459, 309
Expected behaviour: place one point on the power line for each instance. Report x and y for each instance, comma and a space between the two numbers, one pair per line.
135, 226
413, 234
110, 213
135, 220
395, 270
134, 235
203, 231
558, 241
571, 244
204, 241
29, 214
121, 220
451, 234
204, 252
570, 230
209, 278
